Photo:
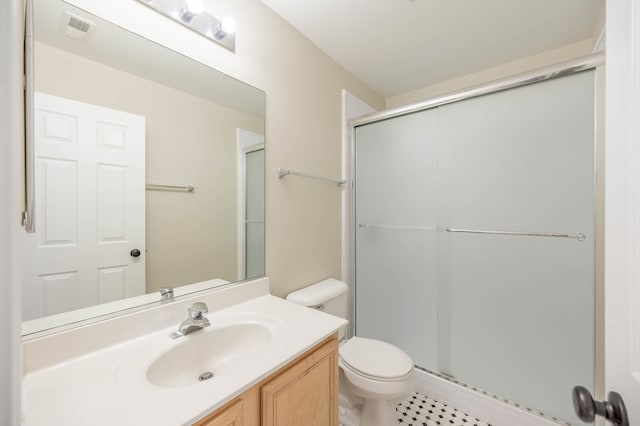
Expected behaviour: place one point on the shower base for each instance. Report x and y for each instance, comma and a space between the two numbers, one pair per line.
420, 410
438, 401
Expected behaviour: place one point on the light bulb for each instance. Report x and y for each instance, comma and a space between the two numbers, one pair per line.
194, 7
228, 25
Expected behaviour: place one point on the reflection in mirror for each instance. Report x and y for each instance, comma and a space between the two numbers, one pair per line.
149, 172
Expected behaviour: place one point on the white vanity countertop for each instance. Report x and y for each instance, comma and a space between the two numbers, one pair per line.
105, 387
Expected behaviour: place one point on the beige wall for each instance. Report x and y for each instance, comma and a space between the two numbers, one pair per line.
189, 140
550, 57
303, 127
302, 86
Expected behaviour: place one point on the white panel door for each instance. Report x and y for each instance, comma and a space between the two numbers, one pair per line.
89, 207
622, 263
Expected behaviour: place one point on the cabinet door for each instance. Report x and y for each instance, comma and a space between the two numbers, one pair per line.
230, 416
305, 394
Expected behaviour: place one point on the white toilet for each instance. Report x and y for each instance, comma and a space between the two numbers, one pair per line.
374, 375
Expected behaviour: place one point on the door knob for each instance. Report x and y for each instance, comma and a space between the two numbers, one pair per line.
134, 253
587, 408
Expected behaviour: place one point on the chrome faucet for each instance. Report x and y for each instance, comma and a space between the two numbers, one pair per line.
195, 321
166, 293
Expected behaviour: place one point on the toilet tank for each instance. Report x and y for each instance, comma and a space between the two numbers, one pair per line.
330, 296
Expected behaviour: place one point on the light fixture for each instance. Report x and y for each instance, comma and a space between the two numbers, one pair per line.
191, 14
191, 9
227, 27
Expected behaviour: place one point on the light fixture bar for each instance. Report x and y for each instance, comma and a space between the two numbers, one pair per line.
190, 14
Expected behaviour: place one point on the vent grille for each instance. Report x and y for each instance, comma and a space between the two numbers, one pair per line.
79, 25
75, 27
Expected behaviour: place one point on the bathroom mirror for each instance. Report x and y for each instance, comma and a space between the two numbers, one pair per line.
148, 172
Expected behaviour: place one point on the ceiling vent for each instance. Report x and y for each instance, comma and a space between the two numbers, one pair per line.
75, 27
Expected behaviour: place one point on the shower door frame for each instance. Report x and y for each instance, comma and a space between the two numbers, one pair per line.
589, 62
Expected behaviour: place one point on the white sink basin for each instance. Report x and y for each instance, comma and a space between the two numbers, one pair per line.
101, 374
211, 350
202, 356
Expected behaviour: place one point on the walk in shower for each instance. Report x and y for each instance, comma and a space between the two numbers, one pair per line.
474, 239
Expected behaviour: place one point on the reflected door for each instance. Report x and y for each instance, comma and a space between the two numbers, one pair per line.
254, 214
250, 151
89, 173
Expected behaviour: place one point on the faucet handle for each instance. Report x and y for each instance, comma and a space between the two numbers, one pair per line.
166, 293
197, 309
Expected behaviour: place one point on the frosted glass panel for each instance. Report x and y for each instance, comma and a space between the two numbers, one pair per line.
517, 312
510, 314
396, 181
519, 326
255, 250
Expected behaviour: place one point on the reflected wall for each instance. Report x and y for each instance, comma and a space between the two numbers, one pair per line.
190, 140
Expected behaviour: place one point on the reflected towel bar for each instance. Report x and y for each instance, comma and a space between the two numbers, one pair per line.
178, 188
284, 172
579, 237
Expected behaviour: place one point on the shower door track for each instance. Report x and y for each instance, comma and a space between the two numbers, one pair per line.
535, 76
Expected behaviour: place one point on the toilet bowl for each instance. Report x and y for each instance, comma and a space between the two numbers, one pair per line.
378, 374
375, 375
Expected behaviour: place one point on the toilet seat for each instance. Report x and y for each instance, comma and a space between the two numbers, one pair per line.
375, 360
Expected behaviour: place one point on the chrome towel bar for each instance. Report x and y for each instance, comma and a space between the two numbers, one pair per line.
284, 172
177, 188
579, 237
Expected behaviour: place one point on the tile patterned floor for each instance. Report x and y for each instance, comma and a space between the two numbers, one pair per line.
420, 410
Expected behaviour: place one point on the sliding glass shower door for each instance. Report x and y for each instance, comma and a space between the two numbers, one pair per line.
396, 219
475, 239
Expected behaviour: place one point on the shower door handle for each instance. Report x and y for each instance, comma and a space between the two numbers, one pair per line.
587, 408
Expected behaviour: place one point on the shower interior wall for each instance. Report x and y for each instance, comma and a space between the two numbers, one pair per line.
507, 313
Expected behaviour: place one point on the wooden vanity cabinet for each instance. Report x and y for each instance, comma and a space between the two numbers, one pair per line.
306, 392
230, 416
303, 393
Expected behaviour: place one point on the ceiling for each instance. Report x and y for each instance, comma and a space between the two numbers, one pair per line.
395, 46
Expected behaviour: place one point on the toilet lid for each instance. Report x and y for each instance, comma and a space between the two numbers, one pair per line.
375, 358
